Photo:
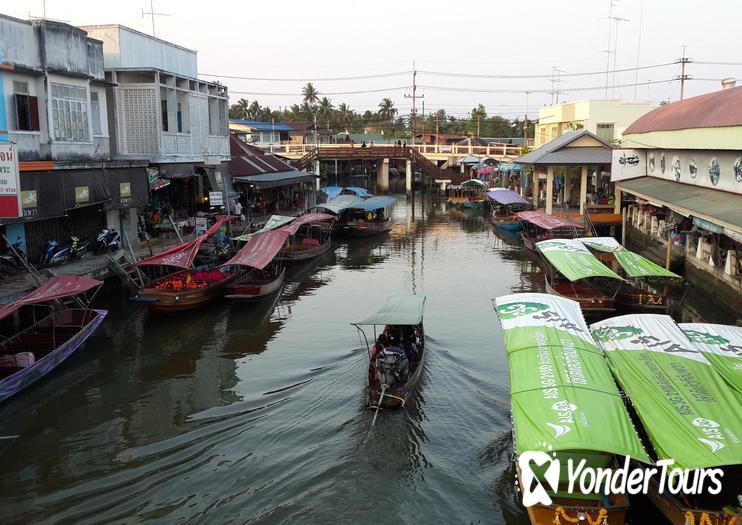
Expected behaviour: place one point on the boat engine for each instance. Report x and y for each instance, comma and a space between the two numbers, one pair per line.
391, 368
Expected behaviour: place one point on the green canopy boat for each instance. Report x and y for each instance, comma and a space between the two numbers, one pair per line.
722, 346
564, 400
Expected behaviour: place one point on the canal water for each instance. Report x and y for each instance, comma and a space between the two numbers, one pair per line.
245, 413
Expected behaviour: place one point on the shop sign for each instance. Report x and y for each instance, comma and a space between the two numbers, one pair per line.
125, 193
201, 225
216, 198
30, 203
10, 205
82, 194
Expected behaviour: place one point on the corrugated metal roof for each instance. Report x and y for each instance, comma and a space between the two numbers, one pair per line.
718, 109
248, 160
261, 126
558, 152
275, 180
719, 207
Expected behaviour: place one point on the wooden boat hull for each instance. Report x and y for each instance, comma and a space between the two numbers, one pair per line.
366, 228
675, 511
545, 514
510, 226
301, 255
592, 302
250, 288
162, 301
25, 377
398, 396
472, 204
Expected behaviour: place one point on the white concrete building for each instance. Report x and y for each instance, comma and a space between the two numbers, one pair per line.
607, 119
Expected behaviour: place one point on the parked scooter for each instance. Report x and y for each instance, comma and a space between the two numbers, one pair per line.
107, 241
54, 254
79, 248
13, 262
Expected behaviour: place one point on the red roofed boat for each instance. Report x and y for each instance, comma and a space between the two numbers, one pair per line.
43, 344
538, 226
265, 276
311, 236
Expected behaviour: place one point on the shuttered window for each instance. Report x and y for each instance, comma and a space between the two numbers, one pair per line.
70, 113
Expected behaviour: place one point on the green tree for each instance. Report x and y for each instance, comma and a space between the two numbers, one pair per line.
310, 94
387, 111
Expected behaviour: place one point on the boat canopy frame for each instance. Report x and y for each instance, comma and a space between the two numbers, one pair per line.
399, 310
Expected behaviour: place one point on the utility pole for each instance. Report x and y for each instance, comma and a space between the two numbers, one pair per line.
437, 115
615, 52
423, 126
683, 77
608, 49
414, 98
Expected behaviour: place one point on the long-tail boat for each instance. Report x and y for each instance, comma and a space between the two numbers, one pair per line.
722, 346
537, 226
690, 414
505, 204
265, 276
565, 406
186, 288
310, 237
368, 217
45, 341
573, 273
397, 357
647, 285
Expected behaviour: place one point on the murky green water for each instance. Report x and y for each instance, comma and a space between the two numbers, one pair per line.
255, 413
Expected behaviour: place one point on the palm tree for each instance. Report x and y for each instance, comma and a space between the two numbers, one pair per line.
309, 92
242, 105
387, 111
345, 114
325, 109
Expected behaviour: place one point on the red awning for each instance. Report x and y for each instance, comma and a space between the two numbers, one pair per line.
547, 222
309, 218
260, 250
182, 256
54, 288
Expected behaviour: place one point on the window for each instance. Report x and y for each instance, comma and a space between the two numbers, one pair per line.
606, 132
163, 105
95, 112
70, 113
180, 118
26, 108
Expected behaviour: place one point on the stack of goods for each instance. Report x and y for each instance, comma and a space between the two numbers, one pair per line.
191, 280
19, 360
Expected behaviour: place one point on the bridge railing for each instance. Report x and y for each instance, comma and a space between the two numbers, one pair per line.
300, 150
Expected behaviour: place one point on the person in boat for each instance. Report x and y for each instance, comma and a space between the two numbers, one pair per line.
392, 361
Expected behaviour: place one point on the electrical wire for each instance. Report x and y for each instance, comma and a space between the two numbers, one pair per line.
570, 90
310, 79
380, 90
582, 74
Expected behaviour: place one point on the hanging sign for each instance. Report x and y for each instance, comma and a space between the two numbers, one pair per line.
10, 203
216, 198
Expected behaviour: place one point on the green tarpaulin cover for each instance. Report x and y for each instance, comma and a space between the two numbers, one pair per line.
562, 392
633, 264
573, 260
688, 411
722, 346
273, 222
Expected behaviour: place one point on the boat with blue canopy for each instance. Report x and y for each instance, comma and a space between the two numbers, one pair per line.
367, 217
505, 204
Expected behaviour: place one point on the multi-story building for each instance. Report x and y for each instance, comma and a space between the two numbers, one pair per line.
54, 102
164, 113
606, 119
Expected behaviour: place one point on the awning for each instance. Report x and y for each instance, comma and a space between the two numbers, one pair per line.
340, 203
54, 288
547, 222
260, 250
473, 183
505, 196
183, 255
398, 310
42, 196
267, 181
128, 188
176, 170
573, 260
688, 411
722, 346
360, 192
374, 203
273, 222
719, 207
562, 394
633, 264
469, 160
84, 188
308, 218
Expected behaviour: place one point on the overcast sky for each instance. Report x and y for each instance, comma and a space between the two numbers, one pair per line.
320, 39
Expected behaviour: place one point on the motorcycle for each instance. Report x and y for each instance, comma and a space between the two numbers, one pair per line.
108, 240
79, 248
54, 254
13, 262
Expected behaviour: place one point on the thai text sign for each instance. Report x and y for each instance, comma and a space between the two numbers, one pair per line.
10, 204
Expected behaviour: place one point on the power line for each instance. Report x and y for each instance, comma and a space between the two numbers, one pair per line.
592, 88
581, 74
309, 79
380, 90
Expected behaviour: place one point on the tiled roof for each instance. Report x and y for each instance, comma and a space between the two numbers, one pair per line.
718, 109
